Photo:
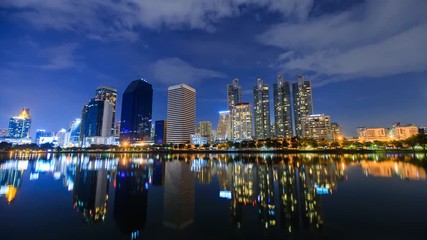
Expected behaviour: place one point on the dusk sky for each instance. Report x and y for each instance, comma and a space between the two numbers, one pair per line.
367, 60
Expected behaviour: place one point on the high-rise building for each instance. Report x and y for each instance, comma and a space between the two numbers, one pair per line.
110, 95
181, 113
74, 131
19, 126
204, 128
282, 108
234, 93
160, 132
303, 102
261, 110
96, 119
242, 121
336, 132
223, 131
316, 126
137, 112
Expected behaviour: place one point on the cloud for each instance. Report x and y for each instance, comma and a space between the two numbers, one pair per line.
59, 57
174, 71
374, 39
121, 20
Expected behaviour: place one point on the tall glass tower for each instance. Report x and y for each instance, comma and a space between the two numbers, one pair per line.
109, 95
262, 110
234, 93
282, 108
19, 126
137, 108
303, 102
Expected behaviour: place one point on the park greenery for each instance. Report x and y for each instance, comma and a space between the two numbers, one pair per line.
415, 143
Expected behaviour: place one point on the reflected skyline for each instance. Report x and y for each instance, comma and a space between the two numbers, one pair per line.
281, 192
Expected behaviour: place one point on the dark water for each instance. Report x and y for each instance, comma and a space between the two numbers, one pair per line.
307, 196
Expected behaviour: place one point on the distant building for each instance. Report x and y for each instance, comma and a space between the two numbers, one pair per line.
137, 108
204, 128
160, 132
336, 132
398, 132
42, 133
74, 133
234, 93
282, 108
303, 102
316, 126
19, 126
96, 119
242, 121
372, 134
109, 95
223, 130
198, 139
4, 132
181, 113
261, 110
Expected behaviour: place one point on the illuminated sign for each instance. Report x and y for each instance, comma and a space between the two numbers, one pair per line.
321, 190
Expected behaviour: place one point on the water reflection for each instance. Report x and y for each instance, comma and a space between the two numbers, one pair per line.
285, 191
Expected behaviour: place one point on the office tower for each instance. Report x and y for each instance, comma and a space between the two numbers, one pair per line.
110, 95
242, 121
261, 110
234, 93
178, 195
137, 111
160, 132
282, 108
204, 128
303, 102
181, 113
96, 119
316, 126
19, 126
223, 131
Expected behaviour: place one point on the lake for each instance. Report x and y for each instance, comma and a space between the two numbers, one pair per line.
213, 196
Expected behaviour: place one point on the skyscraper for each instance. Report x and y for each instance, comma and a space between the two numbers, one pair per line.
261, 110
303, 102
181, 113
204, 128
282, 108
19, 126
223, 131
160, 132
242, 121
137, 111
110, 95
234, 93
97, 116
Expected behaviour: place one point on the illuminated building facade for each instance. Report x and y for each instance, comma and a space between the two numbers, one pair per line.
204, 128
19, 126
398, 132
223, 131
160, 132
336, 130
108, 94
316, 126
74, 132
242, 121
372, 134
234, 93
303, 102
137, 107
261, 110
282, 108
181, 113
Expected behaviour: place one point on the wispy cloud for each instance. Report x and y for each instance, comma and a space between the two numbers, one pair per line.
174, 70
374, 39
59, 57
126, 16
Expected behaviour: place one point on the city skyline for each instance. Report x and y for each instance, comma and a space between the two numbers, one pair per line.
368, 69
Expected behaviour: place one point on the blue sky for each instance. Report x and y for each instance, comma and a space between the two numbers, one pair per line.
366, 59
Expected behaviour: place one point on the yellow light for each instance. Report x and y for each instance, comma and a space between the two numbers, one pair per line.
10, 193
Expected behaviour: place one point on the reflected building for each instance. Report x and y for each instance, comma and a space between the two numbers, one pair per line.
179, 194
90, 193
390, 168
11, 174
130, 206
266, 196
